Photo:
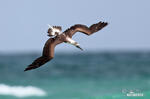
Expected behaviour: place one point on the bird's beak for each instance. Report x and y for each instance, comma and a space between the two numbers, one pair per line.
79, 48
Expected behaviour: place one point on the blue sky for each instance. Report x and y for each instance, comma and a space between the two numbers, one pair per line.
24, 24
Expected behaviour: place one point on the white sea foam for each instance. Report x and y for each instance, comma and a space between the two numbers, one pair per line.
21, 91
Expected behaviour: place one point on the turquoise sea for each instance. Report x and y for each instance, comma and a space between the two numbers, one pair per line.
99, 75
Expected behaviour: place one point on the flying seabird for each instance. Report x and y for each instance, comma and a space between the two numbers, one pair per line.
58, 37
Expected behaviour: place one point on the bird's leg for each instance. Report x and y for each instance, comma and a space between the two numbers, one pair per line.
72, 42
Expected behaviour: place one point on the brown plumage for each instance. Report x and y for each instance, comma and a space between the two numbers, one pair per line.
48, 50
84, 29
57, 27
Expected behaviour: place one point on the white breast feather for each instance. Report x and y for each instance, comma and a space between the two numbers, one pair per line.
71, 41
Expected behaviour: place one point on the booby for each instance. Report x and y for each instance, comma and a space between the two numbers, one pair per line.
58, 37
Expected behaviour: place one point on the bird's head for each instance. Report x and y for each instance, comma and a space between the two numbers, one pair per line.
53, 30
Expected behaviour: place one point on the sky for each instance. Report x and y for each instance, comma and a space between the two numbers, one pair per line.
23, 24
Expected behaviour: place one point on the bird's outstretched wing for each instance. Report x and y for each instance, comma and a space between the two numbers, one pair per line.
84, 29
48, 54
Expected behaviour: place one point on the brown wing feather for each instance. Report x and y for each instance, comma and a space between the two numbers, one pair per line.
84, 29
48, 54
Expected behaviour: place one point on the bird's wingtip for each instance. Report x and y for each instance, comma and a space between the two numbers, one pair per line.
26, 69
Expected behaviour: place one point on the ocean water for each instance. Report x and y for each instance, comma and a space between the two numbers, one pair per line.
99, 75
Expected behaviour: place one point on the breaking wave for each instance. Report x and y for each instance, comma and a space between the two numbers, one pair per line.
21, 91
